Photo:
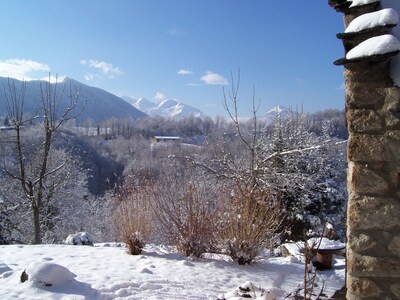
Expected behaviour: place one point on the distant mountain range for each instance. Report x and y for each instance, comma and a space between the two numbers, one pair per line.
169, 108
96, 103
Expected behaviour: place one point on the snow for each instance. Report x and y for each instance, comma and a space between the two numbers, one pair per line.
106, 271
326, 244
383, 17
362, 2
80, 238
48, 274
374, 46
168, 108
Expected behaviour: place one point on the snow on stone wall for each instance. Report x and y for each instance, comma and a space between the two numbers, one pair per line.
389, 15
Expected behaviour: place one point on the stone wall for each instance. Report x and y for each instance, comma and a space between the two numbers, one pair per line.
373, 216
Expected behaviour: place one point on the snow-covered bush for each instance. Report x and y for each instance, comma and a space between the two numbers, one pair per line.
249, 290
79, 238
47, 274
132, 219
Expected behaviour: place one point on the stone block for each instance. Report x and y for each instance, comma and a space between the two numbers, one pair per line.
395, 288
361, 243
371, 74
372, 267
394, 246
365, 121
392, 108
393, 145
373, 148
373, 213
391, 121
362, 287
359, 97
364, 180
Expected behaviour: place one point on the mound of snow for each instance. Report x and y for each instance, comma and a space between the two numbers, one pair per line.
80, 238
249, 290
49, 274
383, 17
374, 46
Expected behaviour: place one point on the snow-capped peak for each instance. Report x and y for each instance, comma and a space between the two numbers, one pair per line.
277, 109
168, 108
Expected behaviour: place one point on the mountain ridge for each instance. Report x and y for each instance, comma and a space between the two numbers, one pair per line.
94, 103
167, 108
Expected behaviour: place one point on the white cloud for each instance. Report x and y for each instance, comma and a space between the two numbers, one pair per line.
193, 84
89, 76
213, 79
22, 69
103, 67
159, 96
185, 72
53, 79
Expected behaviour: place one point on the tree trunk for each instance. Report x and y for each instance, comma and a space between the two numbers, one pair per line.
36, 222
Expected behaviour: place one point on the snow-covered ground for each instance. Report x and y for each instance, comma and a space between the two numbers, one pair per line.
108, 272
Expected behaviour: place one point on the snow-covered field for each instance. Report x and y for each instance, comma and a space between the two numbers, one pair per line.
108, 272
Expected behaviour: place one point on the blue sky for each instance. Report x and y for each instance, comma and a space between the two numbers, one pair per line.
183, 49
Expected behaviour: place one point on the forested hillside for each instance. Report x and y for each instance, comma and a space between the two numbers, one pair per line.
298, 160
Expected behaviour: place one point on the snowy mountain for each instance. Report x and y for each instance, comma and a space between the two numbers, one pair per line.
96, 103
143, 104
169, 108
283, 112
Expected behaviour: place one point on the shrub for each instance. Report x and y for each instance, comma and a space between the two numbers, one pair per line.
132, 220
186, 215
252, 221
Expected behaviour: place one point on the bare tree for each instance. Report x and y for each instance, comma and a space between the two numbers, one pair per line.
32, 176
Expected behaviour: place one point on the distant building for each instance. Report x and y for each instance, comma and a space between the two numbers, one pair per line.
166, 139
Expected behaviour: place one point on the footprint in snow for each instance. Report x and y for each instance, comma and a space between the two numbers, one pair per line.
47, 259
187, 263
146, 271
150, 286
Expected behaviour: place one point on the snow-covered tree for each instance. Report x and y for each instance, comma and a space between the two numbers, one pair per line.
32, 169
291, 163
307, 171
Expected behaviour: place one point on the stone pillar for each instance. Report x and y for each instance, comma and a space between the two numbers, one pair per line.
373, 215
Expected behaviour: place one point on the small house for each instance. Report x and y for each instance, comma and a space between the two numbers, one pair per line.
166, 139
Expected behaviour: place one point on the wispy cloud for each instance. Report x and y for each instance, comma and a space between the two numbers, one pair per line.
342, 86
176, 32
89, 76
159, 96
213, 79
185, 72
103, 67
23, 69
193, 84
